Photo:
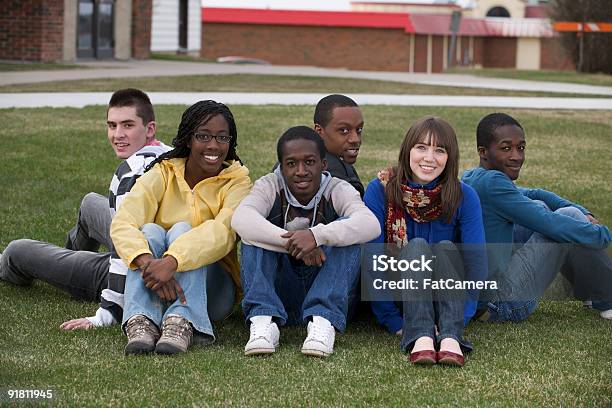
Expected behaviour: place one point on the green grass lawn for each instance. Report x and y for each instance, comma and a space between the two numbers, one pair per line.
36, 66
561, 356
264, 83
540, 75
178, 57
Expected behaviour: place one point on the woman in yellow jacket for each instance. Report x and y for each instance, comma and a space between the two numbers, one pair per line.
173, 230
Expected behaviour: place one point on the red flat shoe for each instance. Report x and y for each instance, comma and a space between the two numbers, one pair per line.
450, 358
423, 357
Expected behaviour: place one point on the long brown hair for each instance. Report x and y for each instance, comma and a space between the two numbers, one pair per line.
437, 132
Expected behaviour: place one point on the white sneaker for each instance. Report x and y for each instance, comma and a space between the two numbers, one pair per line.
320, 339
606, 314
588, 304
264, 336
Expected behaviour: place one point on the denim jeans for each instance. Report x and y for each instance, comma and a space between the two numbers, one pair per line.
141, 300
83, 274
292, 292
92, 228
425, 308
535, 265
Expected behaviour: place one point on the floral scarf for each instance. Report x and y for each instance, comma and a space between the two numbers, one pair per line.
422, 205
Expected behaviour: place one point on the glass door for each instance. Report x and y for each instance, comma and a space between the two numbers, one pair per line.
183, 26
95, 30
105, 38
85, 29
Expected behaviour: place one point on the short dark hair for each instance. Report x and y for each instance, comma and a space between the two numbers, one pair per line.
323, 111
136, 98
485, 132
296, 133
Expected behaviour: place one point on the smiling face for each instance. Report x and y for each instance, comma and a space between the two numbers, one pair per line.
206, 157
126, 131
301, 167
342, 135
427, 160
506, 152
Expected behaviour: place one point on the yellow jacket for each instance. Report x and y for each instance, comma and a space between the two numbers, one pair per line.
162, 196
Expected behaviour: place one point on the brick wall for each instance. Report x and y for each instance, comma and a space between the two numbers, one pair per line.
499, 52
142, 11
437, 58
360, 48
420, 53
355, 48
31, 30
478, 51
465, 52
553, 55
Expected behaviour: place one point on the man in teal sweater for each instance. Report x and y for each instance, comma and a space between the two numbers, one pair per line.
557, 234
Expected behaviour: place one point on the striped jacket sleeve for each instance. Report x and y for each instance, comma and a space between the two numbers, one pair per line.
111, 306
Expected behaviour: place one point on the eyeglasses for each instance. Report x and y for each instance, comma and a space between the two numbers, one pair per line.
205, 137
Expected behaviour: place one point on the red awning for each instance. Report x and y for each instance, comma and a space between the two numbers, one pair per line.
434, 24
307, 18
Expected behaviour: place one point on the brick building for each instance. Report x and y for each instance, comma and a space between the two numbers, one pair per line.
54, 30
392, 41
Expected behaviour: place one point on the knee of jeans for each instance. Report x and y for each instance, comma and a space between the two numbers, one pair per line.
152, 230
348, 252
446, 244
248, 251
418, 241
572, 212
91, 200
88, 199
351, 249
178, 229
542, 203
17, 248
418, 245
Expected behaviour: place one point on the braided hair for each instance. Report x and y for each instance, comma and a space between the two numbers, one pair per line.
196, 115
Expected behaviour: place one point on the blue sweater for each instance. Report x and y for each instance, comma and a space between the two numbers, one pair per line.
504, 204
465, 227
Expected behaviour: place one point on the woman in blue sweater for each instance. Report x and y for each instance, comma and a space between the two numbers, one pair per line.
420, 202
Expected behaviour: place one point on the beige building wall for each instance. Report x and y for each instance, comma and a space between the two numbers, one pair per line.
516, 8
528, 53
70, 30
123, 29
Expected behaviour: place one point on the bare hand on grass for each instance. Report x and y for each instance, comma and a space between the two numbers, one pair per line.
74, 324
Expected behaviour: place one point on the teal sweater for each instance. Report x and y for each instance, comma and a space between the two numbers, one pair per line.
504, 204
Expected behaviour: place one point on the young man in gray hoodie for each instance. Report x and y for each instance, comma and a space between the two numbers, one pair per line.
300, 230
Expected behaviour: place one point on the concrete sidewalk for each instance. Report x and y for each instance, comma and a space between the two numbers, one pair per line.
148, 68
80, 99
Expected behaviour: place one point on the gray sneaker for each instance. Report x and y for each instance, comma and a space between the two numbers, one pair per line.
142, 335
176, 337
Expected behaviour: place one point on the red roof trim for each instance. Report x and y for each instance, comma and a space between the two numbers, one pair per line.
424, 5
307, 18
434, 24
